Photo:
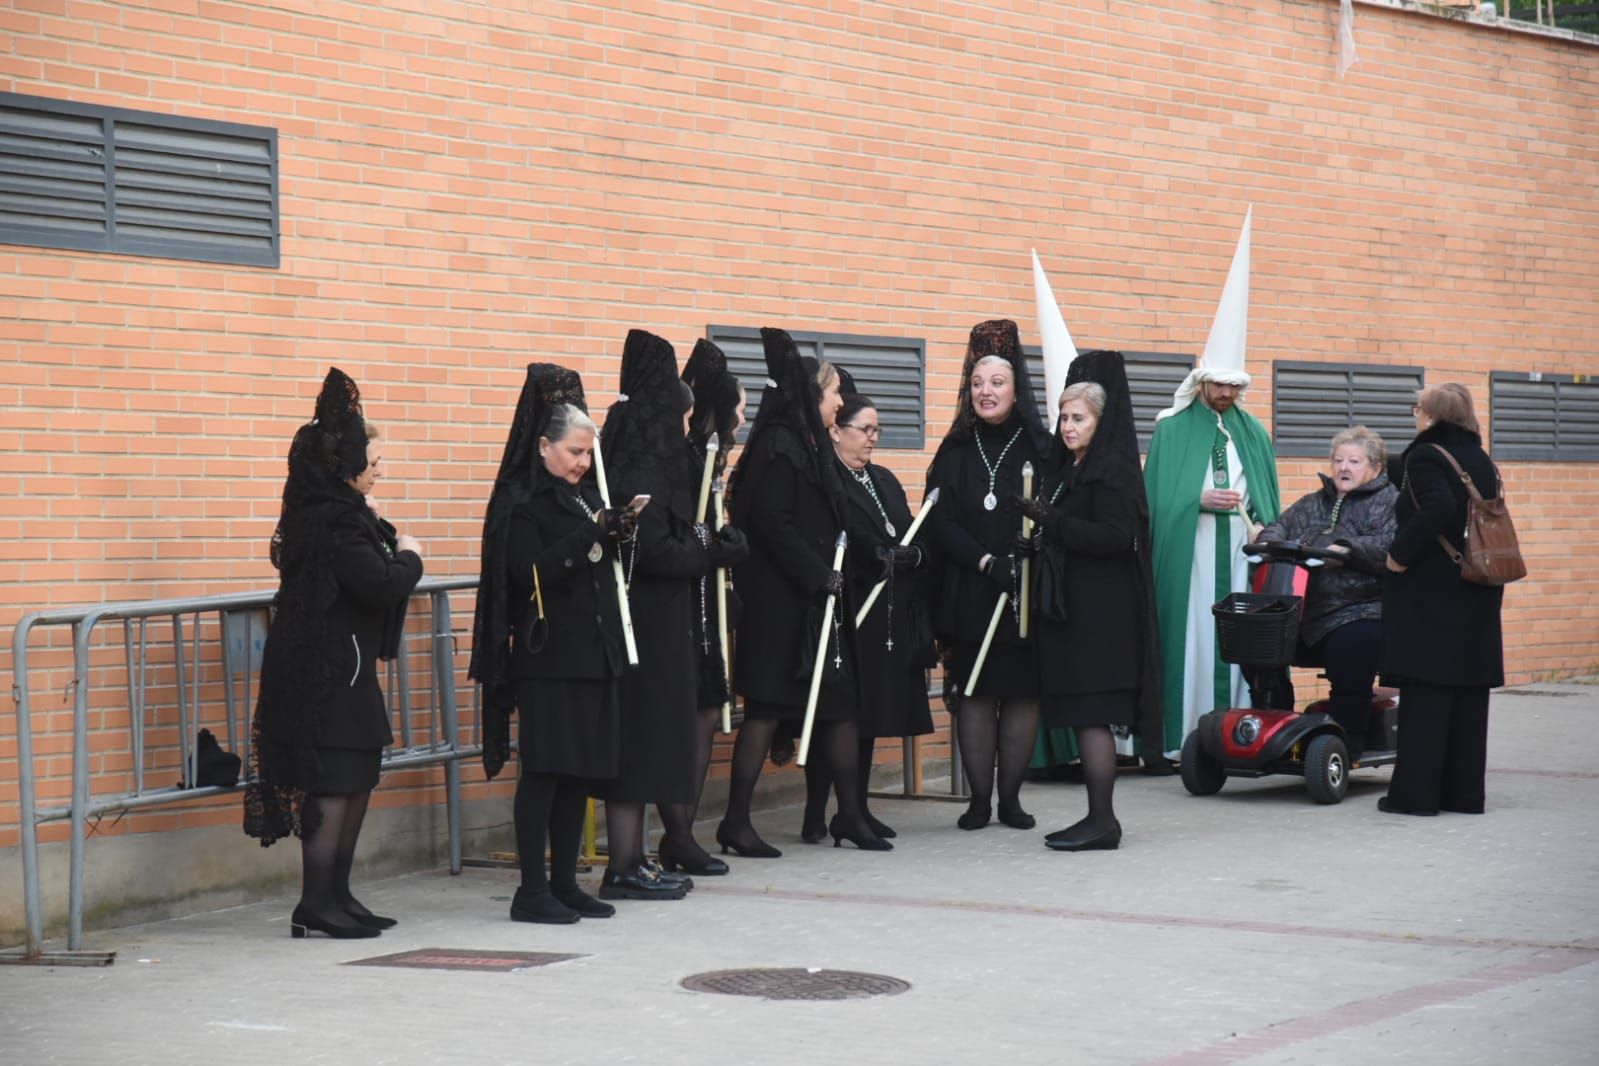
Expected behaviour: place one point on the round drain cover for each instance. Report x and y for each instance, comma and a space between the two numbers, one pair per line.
795, 983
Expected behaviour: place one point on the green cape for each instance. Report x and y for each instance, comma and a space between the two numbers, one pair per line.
1179, 455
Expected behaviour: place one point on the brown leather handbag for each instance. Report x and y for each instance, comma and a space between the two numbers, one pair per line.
1489, 553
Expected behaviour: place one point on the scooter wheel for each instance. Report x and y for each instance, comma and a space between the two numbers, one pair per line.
1327, 768
1203, 774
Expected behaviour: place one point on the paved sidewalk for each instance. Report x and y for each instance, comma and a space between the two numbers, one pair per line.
1252, 927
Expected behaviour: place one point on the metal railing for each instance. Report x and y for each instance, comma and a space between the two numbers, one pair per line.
208, 660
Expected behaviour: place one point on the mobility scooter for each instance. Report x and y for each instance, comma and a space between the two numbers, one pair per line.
1259, 631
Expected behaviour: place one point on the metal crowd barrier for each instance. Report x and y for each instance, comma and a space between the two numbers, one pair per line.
196, 674
194, 677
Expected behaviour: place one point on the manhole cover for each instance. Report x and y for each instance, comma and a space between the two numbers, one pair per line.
462, 959
795, 983
1547, 693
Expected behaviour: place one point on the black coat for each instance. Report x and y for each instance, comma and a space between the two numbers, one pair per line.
363, 626
1438, 628
963, 531
1364, 523
583, 635
893, 680
792, 528
664, 562
1101, 647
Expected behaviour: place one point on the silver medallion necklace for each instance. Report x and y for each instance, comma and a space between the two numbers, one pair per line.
991, 501
597, 552
864, 477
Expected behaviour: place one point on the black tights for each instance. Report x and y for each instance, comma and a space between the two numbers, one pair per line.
819, 782
839, 751
1002, 728
1098, 747
549, 810
327, 855
677, 819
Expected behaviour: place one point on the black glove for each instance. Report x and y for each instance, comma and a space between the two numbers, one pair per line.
1001, 571
729, 547
1035, 509
1025, 546
618, 522
833, 586
903, 556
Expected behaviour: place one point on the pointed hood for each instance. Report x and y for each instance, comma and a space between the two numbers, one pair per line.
1223, 359
1059, 351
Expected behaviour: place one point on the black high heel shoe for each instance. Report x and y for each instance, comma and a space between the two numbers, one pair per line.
879, 828
303, 921
862, 838
357, 911
751, 847
701, 865
1015, 817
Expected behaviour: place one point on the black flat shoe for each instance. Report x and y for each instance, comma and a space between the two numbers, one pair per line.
862, 838
541, 908
1387, 808
1088, 839
745, 847
362, 916
1160, 767
813, 832
1015, 817
667, 876
303, 921
879, 828
700, 864
975, 817
584, 904
640, 884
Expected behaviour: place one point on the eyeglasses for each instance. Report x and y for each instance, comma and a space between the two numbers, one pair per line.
1415, 408
870, 432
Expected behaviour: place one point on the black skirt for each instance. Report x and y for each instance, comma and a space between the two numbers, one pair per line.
1009, 672
658, 755
570, 726
835, 710
1118, 707
347, 771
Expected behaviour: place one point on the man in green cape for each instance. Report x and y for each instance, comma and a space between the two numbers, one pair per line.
1212, 482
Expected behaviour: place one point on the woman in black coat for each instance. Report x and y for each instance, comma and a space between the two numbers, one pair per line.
895, 640
716, 418
321, 724
788, 500
1095, 607
1441, 642
647, 453
548, 638
975, 529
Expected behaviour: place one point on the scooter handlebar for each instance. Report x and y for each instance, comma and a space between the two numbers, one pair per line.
1291, 551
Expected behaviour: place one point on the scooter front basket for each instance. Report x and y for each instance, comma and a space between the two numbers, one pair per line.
1254, 629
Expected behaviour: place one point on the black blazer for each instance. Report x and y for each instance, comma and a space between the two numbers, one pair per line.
1438, 628
583, 637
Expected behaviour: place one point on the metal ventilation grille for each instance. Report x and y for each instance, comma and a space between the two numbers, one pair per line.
1313, 401
1542, 417
1152, 377
888, 369
107, 179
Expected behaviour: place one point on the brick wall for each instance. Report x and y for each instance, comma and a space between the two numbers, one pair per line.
468, 186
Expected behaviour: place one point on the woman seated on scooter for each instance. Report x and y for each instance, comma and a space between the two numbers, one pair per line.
1351, 515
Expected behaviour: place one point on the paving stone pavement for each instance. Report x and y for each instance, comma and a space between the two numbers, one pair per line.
1251, 927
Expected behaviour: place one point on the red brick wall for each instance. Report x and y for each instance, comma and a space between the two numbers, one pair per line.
468, 186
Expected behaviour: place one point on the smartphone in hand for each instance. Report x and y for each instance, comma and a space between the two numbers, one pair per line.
636, 504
